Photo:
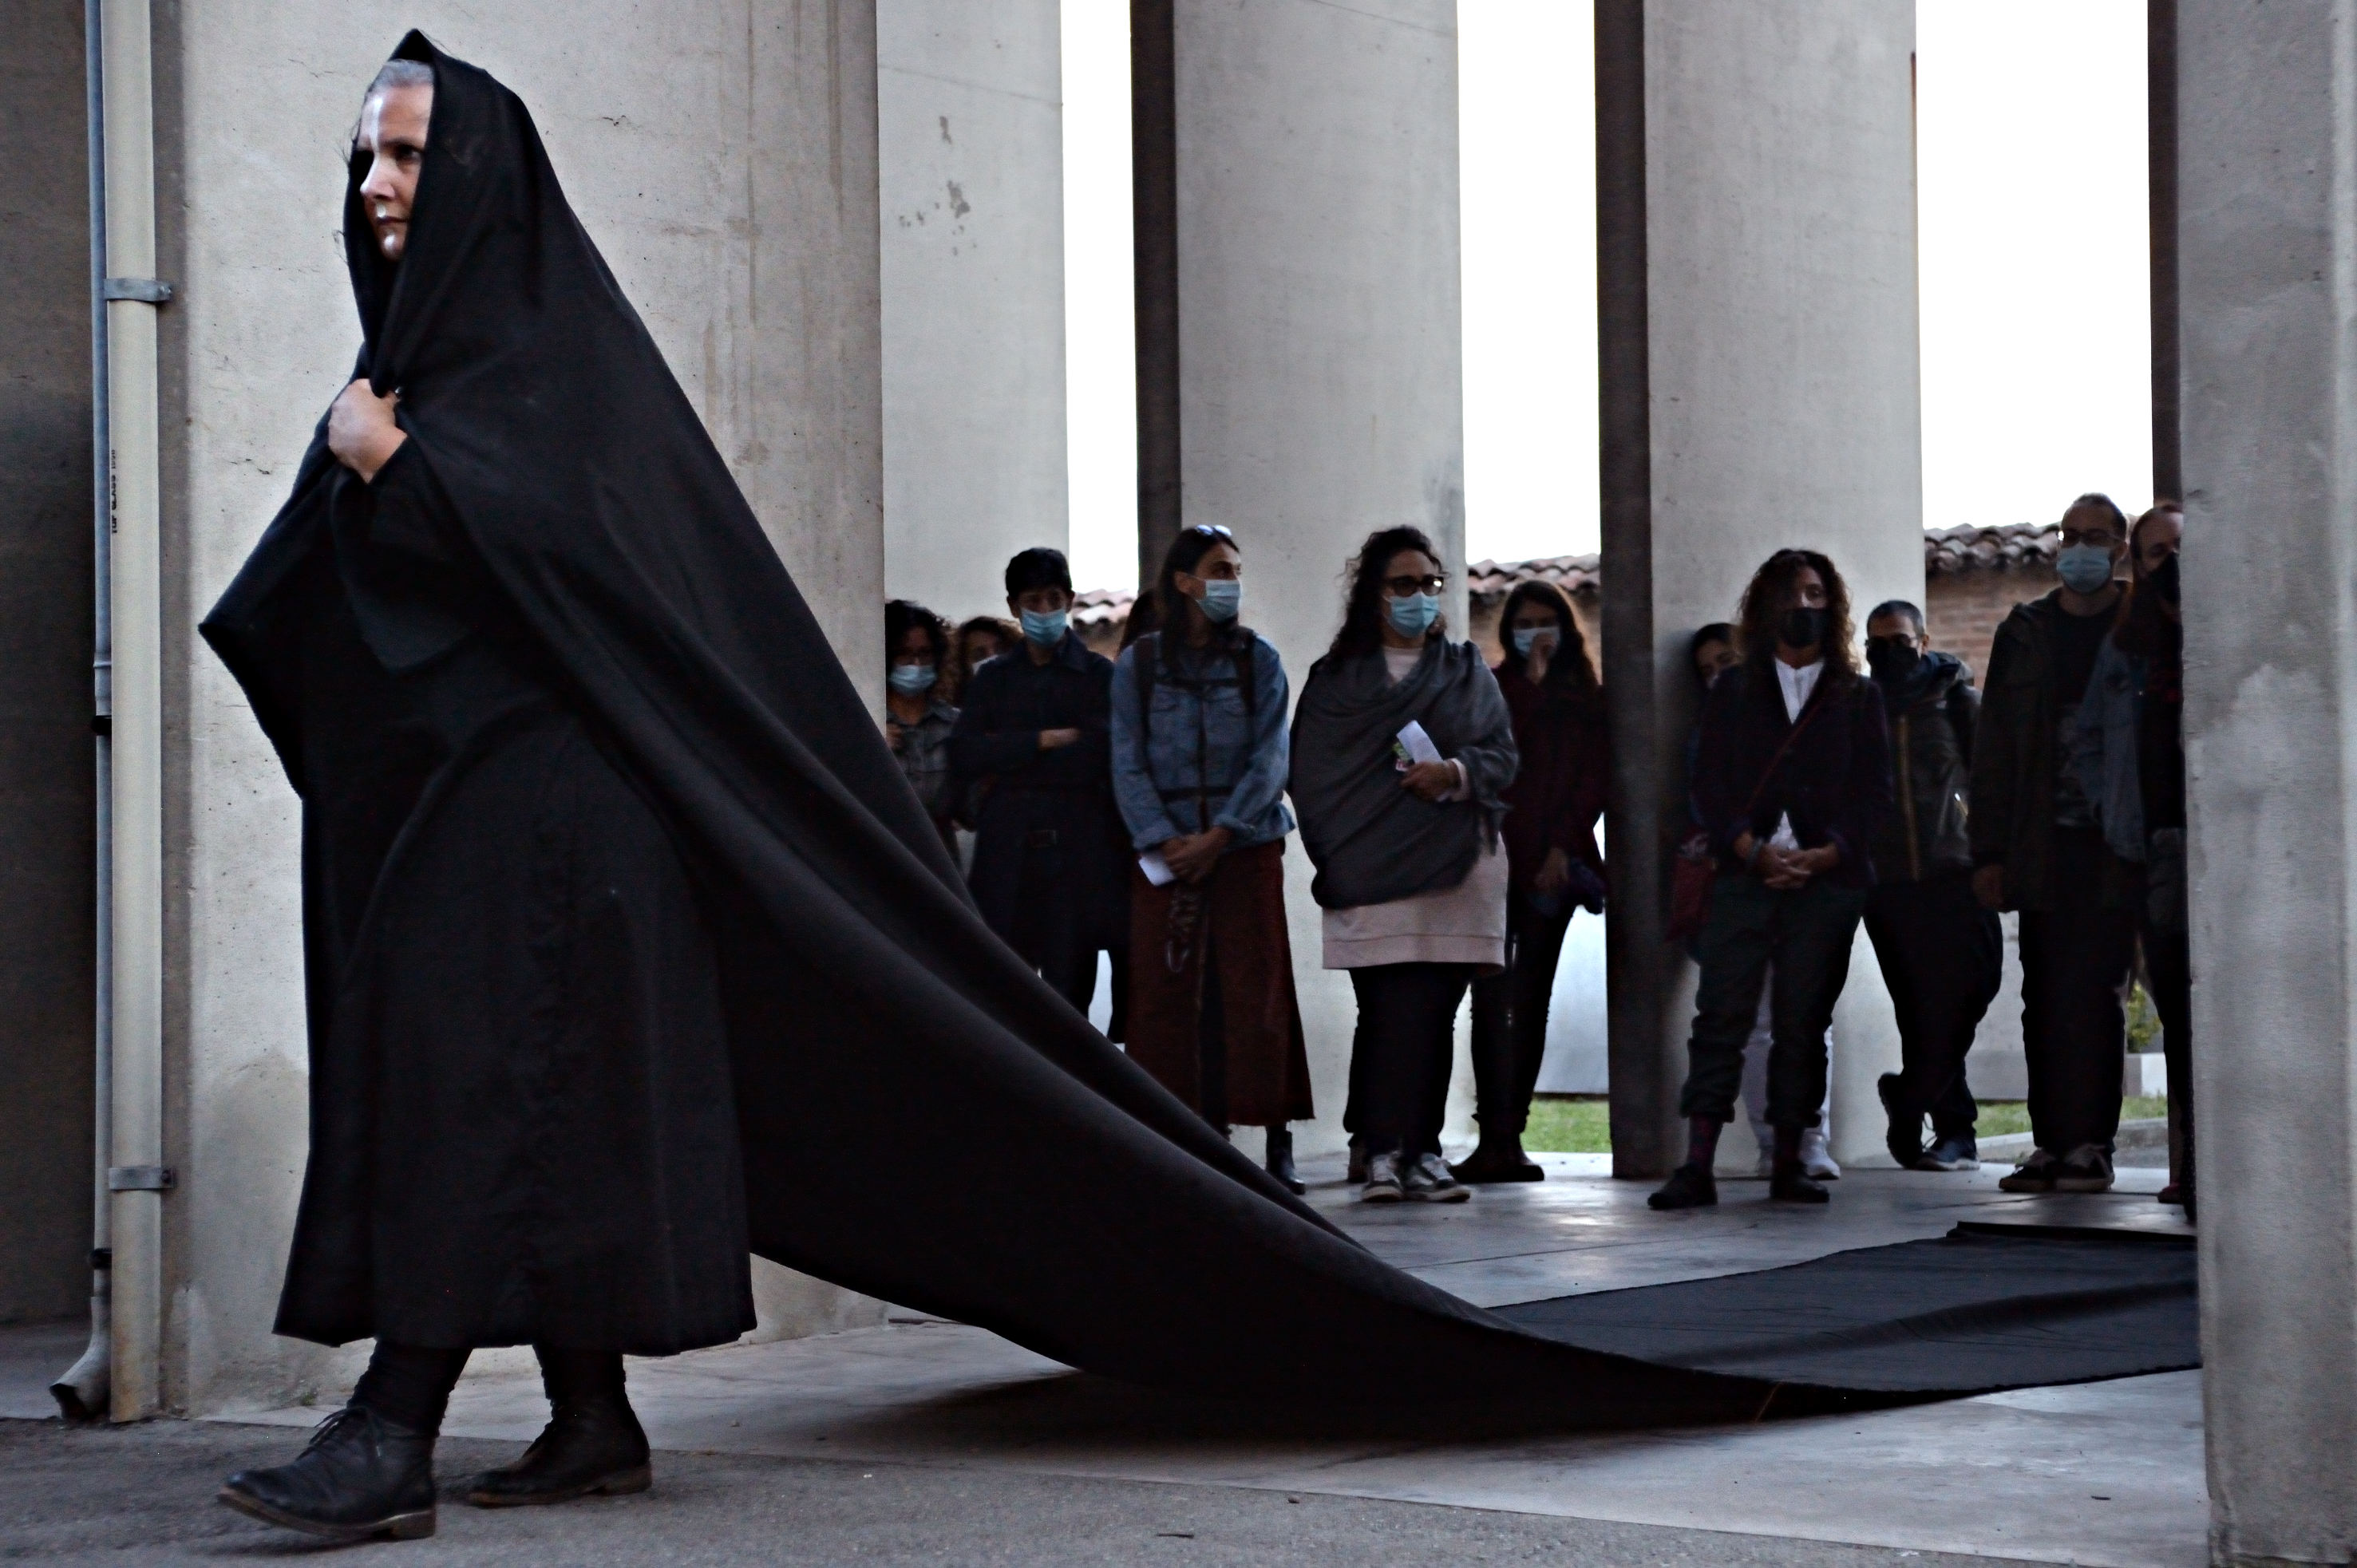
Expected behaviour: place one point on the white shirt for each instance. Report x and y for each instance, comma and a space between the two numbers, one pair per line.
1796, 685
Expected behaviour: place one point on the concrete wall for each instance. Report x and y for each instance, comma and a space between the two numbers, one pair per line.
1321, 388
970, 124
704, 147
1778, 406
46, 804
2267, 253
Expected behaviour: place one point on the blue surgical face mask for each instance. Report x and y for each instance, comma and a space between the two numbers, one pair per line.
1223, 598
1414, 616
908, 679
2084, 568
1527, 638
1045, 627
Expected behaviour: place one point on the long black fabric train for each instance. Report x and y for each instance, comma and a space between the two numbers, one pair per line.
920, 1117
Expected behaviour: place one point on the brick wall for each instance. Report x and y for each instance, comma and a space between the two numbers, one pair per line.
1964, 608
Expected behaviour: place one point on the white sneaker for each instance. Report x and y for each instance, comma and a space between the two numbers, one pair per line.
1382, 1179
1426, 1179
1815, 1163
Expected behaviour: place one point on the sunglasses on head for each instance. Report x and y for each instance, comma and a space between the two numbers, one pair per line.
1212, 530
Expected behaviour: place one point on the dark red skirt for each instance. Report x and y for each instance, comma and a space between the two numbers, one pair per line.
1237, 917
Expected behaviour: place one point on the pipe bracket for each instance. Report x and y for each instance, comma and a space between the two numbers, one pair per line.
146, 291
141, 1179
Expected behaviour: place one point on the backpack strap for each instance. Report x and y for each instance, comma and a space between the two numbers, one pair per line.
1146, 653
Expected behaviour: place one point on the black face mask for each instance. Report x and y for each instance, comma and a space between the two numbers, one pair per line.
2163, 579
1802, 627
1890, 659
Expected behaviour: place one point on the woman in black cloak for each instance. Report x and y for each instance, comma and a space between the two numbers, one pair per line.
626, 942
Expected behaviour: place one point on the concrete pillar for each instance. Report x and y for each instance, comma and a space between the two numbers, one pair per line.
2267, 268
970, 130
1756, 190
47, 808
723, 156
1310, 155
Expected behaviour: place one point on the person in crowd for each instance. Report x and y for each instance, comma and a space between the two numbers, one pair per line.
980, 639
1941, 953
1714, 651
2037, 848
917, 719
1791, 777
1200, 759
2128, 754
1037, 728
1402, 749
1553, 864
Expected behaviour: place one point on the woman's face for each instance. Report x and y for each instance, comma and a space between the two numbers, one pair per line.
1807, 591
915, 648
1219, 564
1410, 573
1715, 659
1533, 616
980, 646
2161, 537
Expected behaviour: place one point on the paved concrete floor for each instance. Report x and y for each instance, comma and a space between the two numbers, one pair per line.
2100, 1473
140, 1497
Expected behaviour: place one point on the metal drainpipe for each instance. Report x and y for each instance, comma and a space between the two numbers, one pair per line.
137, 1177
82, 1391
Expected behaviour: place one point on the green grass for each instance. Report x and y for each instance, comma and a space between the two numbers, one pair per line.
1568, 1125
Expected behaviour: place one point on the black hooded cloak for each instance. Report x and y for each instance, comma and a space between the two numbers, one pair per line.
630, 654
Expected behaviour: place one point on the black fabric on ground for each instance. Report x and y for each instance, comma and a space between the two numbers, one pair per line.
1976, 1310
1062, 1198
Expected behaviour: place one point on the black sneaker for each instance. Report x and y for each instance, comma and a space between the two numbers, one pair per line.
1689, 1187
363, 1476
2086, 1168
2035, 1173
1958, 1152
1904, 1136
1793, 1184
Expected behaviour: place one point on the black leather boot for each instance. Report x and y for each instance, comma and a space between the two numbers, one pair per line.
363, 1476
1787, 1182
1904, 1136
1495, 1159
592, 1444
1280, 1160
1689, 1187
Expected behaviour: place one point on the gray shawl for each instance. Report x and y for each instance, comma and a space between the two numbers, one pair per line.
1370, 839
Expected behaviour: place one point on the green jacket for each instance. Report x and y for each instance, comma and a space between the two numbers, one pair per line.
2017, 753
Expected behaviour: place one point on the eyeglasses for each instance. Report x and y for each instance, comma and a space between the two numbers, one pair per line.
1401, 587
1212, 530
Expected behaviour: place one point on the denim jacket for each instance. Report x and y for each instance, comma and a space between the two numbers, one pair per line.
2104, 749
1200, 736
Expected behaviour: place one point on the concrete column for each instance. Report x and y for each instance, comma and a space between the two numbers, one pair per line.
2267, 259
723, 158
1755, 191
46, 777
969, 96
1317, 334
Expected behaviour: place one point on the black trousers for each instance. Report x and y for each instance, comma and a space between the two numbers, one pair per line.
1059, 934
2075, 954
1942, 956
1401, 1054
1806, 934
1510, 1015
2169, 968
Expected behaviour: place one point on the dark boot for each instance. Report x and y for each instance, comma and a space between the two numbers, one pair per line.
1689, 1187
1904, 1136
1498, 1158
363, 1476
1787, 1181
592, 1444
1280, 1160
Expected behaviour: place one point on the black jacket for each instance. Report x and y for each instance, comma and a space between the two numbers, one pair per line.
1834, 781
1930, 714
2016, 754
1054, 807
